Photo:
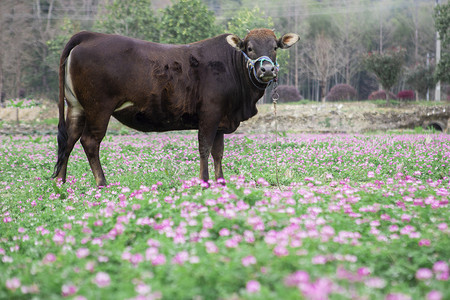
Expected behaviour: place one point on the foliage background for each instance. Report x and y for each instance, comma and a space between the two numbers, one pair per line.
36, 31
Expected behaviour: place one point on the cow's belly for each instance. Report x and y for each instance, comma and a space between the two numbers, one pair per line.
144, 121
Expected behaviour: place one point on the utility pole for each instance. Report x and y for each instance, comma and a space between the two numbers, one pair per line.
437, 96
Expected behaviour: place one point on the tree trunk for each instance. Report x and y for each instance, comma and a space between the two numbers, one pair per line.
322, 90
296, 48
1, 84
386, 91
18, 77
381, 35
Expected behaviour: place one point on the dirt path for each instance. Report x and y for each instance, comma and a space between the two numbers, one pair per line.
353, 117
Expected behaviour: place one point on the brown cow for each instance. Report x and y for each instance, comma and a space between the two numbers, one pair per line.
208, 85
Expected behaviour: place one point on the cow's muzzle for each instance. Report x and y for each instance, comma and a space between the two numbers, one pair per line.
267, 71
263, 68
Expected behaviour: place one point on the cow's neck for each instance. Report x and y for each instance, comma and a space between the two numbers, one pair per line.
250, 93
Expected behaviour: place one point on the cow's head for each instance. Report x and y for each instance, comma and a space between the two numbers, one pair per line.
260, 44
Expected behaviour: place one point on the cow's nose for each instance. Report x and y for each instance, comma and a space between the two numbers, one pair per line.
267, 71
263, 69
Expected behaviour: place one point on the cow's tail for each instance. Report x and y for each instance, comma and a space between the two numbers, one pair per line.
62, 129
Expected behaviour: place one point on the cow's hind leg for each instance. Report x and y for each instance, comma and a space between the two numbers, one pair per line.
93, 133
69, 136
217, 154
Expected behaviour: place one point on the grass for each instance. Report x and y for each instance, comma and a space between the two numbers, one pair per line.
358, 216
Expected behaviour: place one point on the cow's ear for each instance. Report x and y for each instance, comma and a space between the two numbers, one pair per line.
288, 40
235, 42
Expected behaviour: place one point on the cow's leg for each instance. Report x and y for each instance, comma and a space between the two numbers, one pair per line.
92, 135
217, 154
206, 135
74, 126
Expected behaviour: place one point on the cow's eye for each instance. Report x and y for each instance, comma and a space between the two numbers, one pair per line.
250, 49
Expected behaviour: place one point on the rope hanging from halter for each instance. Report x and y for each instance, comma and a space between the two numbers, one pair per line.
275, 97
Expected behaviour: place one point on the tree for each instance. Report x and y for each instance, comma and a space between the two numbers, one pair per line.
133, 18
387, 67
247, 19
421, 79
187, 21
442, 20
322, 60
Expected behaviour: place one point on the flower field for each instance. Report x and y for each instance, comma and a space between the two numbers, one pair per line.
357, 217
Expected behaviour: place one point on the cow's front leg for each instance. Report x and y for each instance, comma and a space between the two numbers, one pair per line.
217, 154
206, 136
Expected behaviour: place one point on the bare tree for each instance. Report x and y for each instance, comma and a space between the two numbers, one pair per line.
350, 40
322, 60
15, 21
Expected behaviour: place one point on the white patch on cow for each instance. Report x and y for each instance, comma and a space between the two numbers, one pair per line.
123, 106
69, 92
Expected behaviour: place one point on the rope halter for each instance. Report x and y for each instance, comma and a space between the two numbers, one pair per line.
251, 67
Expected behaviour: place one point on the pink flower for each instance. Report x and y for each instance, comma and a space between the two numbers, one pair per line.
397, 296
280, 251
327, 231
319, 260
253, 286
68, 290
82, 252
248, 260
231, 243
98, 223
58, 238
249, 237
90, 265
159, 259
318, 290
370, 174
434, 295
211, 247
153, 243
375, 282
102, 279
406, 218
13, 283
224, 232
424, 242
442, 226
423, 274
440, 267
180, 258
136, 259
143, 289
150, 253
207, 223
49, 258
393, 228
126, 255
363, 271
297, 278
442, 276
